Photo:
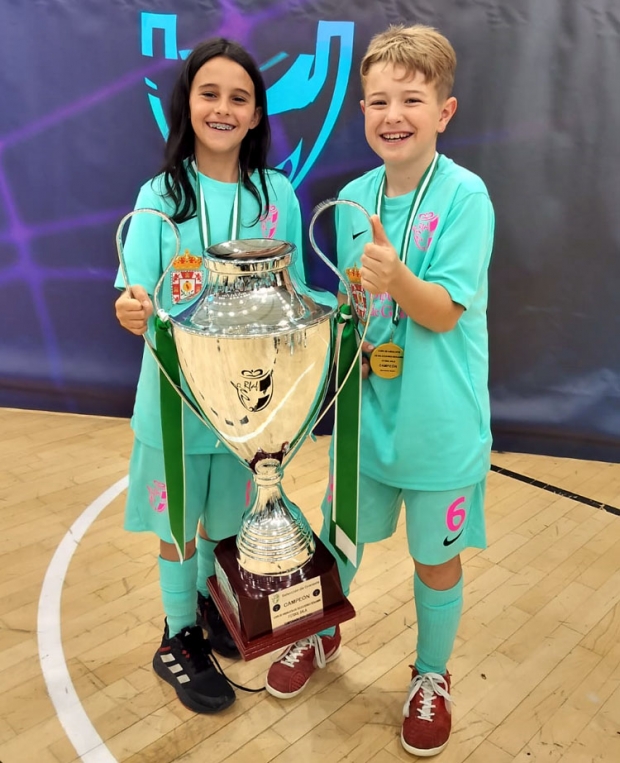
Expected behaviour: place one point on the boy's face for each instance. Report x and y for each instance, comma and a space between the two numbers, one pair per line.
403, 114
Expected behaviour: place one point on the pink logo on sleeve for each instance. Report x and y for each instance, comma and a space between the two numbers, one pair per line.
424, 231
269, 223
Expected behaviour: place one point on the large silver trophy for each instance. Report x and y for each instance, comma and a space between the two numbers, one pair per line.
256, 351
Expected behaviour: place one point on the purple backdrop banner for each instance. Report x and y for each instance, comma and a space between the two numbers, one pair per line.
83, 93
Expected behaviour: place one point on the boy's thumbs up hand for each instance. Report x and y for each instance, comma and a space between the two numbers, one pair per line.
380, 261
379, 236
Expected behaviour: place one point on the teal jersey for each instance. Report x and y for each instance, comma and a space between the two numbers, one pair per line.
149, 248
428, 429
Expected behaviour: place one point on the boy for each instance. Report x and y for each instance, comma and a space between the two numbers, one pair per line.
425, 410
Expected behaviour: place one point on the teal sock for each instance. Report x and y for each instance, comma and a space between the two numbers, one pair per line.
205, 551
178, 593
346, 570
439, 615
327, 631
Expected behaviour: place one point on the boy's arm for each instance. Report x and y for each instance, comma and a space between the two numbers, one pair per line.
437, 301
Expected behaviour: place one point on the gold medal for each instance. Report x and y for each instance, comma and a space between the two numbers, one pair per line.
386, 360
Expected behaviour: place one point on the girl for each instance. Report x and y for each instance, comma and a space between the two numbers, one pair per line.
216, 186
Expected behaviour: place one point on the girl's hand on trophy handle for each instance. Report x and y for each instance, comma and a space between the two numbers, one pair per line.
133, 309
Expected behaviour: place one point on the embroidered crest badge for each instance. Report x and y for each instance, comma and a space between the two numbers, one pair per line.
186, 279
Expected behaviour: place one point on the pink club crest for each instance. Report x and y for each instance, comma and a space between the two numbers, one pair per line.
158, 496
269, 223
424, 231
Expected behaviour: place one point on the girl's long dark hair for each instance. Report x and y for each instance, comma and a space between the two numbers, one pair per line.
181, 139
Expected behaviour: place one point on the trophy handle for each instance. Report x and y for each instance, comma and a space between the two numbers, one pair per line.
159, 312
320, 208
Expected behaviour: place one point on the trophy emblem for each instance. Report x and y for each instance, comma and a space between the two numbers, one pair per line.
256, 349
254, 389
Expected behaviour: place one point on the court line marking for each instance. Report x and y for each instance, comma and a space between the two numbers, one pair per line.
557, 490
73, 718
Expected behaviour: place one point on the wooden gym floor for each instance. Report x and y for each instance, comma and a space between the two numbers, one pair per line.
537, 661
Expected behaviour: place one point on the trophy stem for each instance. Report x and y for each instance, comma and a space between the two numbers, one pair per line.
275, 538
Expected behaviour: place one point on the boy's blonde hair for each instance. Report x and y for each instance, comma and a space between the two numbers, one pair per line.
416, 48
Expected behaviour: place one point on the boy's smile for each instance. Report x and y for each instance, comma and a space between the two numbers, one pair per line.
403, 115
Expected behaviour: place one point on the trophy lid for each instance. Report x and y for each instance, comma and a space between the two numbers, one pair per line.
257, 255
251, 292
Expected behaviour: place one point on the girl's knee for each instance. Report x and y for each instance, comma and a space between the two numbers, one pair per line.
168, 551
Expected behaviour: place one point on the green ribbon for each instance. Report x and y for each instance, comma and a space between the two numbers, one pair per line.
343, 525
171, 403
172, 432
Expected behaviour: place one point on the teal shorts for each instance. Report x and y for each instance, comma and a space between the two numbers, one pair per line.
440, 524
218, 489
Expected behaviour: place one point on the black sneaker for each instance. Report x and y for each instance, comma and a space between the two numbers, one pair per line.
219, 636
184, 661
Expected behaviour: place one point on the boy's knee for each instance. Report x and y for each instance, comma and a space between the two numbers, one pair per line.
440, 577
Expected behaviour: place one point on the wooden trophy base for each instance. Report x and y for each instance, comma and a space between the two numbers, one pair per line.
264, 613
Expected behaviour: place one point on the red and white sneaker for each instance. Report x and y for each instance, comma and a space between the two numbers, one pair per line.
291, 671
428, 714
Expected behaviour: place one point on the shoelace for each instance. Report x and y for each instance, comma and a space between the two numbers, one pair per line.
431, 685
294, 652
203, 658
230, 681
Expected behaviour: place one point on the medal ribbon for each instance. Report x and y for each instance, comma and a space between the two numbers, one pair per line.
418, 196
203, 212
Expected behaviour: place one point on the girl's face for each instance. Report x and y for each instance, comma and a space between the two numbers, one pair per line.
222, 107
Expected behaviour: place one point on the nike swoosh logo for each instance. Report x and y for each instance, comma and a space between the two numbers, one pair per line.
355, 235
449, 542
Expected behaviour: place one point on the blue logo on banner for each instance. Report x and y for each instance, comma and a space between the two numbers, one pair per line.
297, 89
